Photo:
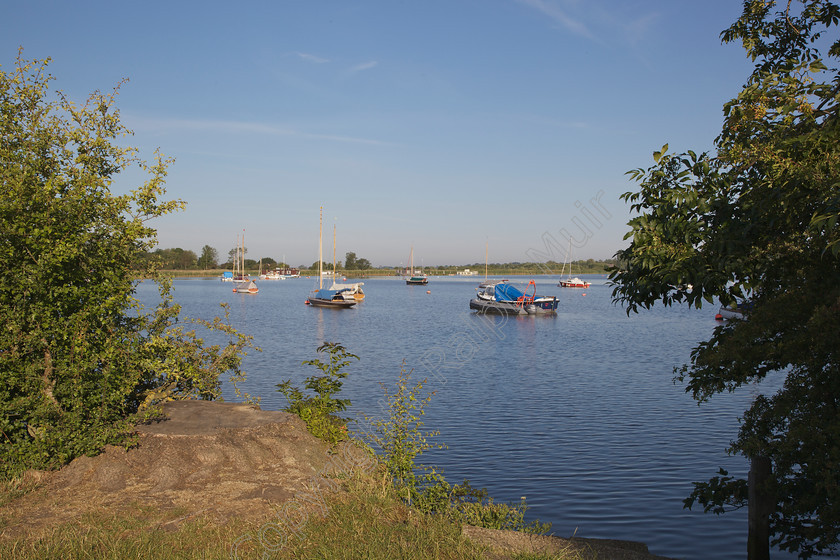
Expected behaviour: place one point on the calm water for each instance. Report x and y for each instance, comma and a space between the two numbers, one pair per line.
578, 412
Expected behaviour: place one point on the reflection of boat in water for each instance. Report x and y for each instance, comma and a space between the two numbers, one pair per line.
505, 299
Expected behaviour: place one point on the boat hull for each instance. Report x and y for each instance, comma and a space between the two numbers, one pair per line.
544, 306
417, 281
728, 314
337, 303
246, 288
574, 283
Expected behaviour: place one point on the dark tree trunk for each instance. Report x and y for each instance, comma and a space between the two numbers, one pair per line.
760, 508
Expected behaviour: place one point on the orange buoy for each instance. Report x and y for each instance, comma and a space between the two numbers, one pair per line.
428, 291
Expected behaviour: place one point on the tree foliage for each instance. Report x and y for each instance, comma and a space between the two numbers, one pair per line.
78, 354
351, 262
209, 257
758, 220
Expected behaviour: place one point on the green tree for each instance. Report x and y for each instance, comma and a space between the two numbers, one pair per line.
78, 354
209, 258
758, 220
350, 261
176, 258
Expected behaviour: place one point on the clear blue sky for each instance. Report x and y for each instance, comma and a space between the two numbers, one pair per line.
442, 124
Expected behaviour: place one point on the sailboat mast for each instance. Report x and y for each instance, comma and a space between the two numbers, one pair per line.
486, 243
235, 257
411, 261
333, 253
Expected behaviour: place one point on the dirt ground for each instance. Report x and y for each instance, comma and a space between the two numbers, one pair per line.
224, 461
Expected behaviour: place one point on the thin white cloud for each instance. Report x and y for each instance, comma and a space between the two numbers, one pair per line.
363, 66
237, 127
312, 58
559, 16
638, 29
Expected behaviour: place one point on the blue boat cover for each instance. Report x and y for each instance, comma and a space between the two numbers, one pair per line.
506, 292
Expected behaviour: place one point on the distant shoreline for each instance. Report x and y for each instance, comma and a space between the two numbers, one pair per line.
582, 267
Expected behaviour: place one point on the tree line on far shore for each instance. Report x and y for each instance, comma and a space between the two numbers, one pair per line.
186, 259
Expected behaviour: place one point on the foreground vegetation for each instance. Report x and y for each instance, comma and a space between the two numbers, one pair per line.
759, 220
366, 520
393, 508
399, 440
79, 356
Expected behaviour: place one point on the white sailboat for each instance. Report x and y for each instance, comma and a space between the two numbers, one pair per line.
242, 284
351, 291
570, 282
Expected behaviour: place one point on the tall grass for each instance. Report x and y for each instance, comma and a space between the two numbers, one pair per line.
366, 520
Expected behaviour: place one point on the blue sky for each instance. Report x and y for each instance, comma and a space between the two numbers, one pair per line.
449, 126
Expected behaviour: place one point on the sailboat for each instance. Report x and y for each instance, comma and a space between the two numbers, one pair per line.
570, 282
322, 297
242, 284
415, 278
351, 291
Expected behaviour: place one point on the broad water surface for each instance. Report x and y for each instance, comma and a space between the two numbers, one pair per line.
578, 412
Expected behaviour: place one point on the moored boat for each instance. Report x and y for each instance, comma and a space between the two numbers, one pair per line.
330, 298
350, 291
245, 287
505, 299
570, 282
327, 297
574, 283
728, 312
242, 283
415, 278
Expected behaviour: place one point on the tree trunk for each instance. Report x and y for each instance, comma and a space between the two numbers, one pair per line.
760, 508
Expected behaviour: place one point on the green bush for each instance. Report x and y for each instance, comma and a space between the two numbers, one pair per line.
401, 440
78, 354
319, 410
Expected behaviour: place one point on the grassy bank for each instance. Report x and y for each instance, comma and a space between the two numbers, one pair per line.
364, 519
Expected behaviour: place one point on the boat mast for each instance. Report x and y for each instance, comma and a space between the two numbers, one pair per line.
566, 260
411, 261
485, 259
333, 253
321, 250
570, 258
